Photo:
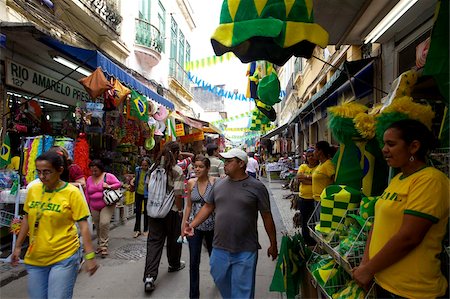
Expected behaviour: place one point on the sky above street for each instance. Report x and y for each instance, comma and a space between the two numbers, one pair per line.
230, 73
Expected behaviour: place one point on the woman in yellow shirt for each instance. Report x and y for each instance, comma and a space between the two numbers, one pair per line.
323, 175
411, 219
52, 207
306, 200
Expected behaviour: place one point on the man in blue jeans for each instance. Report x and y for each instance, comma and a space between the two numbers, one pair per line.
236, 200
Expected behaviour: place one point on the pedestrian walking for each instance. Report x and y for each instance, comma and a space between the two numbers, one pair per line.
52, 208
306, 199
252, 165
217, 166
168, 227
236, 200
140, 185
198, 192
101, 213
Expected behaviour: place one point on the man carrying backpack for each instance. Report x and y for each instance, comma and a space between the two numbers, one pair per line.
164, 219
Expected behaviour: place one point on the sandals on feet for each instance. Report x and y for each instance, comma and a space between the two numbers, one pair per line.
136, 234
104, 252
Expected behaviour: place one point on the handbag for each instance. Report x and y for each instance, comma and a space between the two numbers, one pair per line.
111, 196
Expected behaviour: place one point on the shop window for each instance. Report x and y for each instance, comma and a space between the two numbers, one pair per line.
162, 23
181, 49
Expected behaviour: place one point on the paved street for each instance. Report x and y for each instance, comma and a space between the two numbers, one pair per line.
120, 275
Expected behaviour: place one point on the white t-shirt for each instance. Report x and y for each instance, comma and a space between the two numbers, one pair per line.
252, 165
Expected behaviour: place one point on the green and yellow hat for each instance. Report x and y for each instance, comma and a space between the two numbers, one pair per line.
271, 30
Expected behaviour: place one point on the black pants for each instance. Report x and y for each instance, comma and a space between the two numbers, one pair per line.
158, 230
384, 294
138, 199
195, 251
306, 207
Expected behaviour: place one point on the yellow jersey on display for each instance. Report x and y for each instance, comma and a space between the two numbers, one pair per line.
305, 190
54, 235
424, 194
322, 176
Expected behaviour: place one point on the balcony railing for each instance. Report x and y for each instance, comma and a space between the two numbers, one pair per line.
148, 35
177, 72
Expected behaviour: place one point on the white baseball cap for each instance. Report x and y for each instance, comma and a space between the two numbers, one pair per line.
235, 153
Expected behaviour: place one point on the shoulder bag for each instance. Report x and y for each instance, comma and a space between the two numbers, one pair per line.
111, 196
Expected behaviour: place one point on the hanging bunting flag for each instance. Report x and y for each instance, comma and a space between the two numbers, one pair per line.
247, 129
231, 95
246, 137
138, 106
233, 118
5, 152
207, 61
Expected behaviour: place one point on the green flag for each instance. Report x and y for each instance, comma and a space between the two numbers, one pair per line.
138, 106
287, 274
5, 152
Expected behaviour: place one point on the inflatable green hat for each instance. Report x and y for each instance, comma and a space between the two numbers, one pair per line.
271, 30
269, 89
149, 143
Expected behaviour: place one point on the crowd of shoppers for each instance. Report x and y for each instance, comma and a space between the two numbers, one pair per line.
402, 249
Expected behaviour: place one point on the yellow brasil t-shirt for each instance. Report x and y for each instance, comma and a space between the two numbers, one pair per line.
423, 194
56, 236
305, 190
322, 176
141, 187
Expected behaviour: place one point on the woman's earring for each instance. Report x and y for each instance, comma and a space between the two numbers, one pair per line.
411, 159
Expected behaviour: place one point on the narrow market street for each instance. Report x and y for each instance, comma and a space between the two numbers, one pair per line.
120, 274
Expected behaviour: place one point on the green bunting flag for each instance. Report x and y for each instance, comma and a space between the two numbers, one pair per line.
139, 106
5, 152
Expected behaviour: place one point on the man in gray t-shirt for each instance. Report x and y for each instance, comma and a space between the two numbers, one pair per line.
236, 201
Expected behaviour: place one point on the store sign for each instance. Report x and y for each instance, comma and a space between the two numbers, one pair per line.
32, 81
198, 136
179, 130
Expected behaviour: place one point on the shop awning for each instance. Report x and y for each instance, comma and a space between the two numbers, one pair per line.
361, 78
212, 129
275, 131
94, 59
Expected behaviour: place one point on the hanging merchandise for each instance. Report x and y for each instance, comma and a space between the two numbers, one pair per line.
93, 118
120, 92
161, 114
403, 108
273, 31
34, 147
5, 152
81, 154
359, 161
138, 106
269, 89
66, 143
96, 83
149, 143
288, 271
258, 120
